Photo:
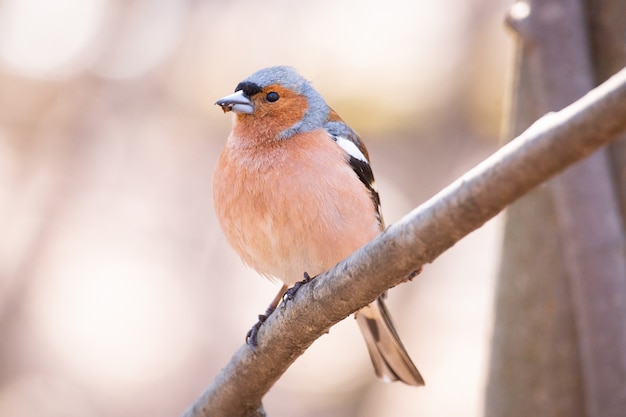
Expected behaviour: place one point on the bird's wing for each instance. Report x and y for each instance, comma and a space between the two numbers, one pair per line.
357, 156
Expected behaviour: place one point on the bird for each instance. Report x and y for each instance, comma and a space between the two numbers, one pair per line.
294, 194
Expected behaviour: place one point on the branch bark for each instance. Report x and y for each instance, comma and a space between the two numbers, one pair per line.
555, 142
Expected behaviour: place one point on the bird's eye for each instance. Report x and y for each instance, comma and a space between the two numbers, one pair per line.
272, 96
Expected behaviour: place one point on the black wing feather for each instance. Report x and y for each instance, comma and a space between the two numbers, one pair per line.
362, 168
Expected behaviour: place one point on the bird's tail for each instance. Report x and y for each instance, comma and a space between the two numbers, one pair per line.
390, 358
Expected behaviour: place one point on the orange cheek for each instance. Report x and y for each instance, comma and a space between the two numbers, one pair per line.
269, 119
289, 111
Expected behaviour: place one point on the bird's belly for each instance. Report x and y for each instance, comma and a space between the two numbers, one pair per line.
283, 238
284, 221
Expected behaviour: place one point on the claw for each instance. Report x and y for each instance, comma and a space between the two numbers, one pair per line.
251, 336
412, 275
285, 295
291, 292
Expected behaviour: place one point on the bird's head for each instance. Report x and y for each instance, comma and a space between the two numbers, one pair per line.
278, 101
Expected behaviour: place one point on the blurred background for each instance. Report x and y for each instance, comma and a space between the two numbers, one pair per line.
118, 293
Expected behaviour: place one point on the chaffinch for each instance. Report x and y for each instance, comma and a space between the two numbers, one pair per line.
294, 193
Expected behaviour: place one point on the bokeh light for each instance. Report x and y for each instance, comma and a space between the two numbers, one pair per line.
42, 38
120, 321
118, 293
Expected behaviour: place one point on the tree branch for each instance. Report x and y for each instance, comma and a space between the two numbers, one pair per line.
553, 143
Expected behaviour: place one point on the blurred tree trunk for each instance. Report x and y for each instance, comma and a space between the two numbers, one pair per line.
559, 343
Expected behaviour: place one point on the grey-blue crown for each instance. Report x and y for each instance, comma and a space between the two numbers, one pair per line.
286, 76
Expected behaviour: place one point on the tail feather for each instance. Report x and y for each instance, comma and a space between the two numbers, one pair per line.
389, 357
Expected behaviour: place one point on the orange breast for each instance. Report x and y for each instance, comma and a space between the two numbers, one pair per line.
292, 206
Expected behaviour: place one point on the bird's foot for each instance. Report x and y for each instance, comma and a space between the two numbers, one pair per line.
291, 292
288, 295
251, 336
